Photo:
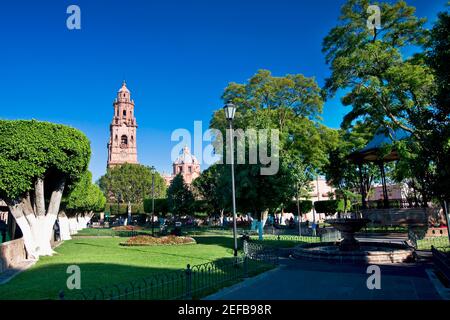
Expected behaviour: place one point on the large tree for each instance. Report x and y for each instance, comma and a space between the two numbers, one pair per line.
78, 207
210, 187
388, 89
381, 85
290, 104
342, 173
179, 196
37, 161
132, 183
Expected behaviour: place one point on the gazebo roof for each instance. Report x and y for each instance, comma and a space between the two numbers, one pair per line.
370, 152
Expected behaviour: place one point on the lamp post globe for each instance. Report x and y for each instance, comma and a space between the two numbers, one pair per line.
230, 110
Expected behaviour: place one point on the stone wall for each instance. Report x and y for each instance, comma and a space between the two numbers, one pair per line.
11, 253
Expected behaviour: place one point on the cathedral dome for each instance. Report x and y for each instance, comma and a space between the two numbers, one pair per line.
186, 157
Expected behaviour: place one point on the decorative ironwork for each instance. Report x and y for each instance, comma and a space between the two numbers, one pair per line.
190, 283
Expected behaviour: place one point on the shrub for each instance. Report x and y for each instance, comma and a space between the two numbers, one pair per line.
144, 240
127, 228
161, 206
123, 208
330, 207
305, 206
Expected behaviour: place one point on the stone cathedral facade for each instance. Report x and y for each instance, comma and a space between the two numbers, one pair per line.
122, 146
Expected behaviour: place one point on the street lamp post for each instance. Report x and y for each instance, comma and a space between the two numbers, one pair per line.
119, 198
230, 110
153, 204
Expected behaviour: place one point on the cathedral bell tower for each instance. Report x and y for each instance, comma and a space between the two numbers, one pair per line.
122, 141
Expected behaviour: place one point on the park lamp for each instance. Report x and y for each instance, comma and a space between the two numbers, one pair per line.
230, 110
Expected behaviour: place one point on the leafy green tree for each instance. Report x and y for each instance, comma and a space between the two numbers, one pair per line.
388, 90
180, 197
132, 183
85, 197
383, 87
344, 174
211, 188
292, 105
79, 206
38, 160
437, 142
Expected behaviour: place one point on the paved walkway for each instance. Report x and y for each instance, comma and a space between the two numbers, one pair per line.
314, 280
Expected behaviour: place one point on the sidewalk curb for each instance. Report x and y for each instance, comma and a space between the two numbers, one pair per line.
443, 292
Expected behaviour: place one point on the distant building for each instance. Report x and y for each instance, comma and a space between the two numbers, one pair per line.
395, 192
187, 165
122, 146
321, 190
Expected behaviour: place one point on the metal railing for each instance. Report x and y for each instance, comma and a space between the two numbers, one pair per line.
191, 283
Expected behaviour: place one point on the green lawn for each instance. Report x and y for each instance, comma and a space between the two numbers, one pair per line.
104, 262
441, 243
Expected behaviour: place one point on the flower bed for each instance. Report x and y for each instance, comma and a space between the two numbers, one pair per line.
145, 240
127, 228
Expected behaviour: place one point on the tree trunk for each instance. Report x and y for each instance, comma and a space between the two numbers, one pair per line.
64, 229
73, 225
36, 231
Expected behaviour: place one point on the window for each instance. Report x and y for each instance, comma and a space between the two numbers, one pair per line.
124, 141
190, 169
124, 113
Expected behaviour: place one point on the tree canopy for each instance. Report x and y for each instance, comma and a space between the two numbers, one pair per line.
133, 182
292, 105
85, 196
32, 149
180, 197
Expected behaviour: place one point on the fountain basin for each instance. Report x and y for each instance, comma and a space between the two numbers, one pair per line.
368, 253
348, 227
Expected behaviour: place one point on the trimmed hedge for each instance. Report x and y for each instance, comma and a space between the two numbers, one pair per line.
331, 207
161, 206
305, 206
123, 208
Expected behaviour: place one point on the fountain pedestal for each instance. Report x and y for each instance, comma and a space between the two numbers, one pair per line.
348, 227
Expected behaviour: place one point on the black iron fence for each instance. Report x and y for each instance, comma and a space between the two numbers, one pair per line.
394, 204
191, 283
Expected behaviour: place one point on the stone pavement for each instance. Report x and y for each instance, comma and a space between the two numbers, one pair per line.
319, 280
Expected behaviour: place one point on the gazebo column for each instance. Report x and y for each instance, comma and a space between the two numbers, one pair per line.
383, 182
363, 190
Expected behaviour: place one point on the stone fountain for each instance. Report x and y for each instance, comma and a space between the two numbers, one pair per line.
348, 228
350, 250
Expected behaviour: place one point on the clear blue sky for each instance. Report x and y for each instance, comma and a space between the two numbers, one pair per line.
176, 56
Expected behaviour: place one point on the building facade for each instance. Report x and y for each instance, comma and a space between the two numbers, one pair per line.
187, 165
122, 145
